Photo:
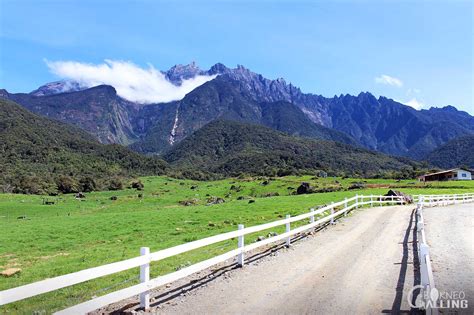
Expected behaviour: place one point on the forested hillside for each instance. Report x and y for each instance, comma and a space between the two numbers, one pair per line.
229, 148
39, 155
456, 153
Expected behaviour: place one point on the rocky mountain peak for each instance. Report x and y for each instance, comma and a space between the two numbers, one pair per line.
448, 108
218, 68
4, 93
104, 89
63, 86
178, 73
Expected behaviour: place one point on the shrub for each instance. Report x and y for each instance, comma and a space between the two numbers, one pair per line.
115, 183
87, 184
67, 184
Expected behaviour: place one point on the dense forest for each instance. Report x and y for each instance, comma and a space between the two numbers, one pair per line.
458, 152
39, 156
228, 148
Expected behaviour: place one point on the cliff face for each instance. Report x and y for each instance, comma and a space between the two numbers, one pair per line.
97, 110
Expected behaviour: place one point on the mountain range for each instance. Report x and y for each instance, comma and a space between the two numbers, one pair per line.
45, 156
239, 94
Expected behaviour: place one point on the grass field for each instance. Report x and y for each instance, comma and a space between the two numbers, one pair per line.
75, 234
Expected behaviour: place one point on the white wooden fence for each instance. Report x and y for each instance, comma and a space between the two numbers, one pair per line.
426, 271
143, 261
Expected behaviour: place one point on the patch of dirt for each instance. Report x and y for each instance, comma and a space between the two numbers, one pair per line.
52, 256
10, 272
377, 185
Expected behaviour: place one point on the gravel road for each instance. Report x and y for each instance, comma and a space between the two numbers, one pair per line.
450, 235
362, 264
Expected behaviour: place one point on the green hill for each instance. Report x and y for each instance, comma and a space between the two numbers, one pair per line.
223, 99
229, 148
458, 152
39, 155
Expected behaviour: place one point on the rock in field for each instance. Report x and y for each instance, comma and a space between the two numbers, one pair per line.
304, 188
214, 201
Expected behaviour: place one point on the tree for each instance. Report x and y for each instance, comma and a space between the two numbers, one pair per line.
67, 184
115, 183
87, 184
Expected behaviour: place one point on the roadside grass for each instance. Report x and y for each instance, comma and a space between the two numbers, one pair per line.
75, 234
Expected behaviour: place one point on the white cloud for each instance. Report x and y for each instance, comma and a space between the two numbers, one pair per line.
414, 103
388, 80
136, 84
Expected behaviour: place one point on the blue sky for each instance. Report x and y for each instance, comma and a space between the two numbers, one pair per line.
417, 52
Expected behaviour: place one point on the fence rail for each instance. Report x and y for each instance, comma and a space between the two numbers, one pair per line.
444, 200
143, 261
426, 271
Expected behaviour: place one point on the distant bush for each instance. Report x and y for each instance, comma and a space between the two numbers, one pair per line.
87, 184
115, 183
356, 186
327, 189
67, 184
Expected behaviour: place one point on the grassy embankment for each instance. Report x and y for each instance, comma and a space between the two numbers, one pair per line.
73, 234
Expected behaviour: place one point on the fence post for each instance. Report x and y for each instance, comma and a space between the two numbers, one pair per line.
424, 251
345, 206
240, 257
311, 218
288, 229
145, 277
371, 201
332, 212
357, 201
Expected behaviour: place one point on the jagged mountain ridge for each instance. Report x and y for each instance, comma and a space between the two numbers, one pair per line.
221, 99
376, 123
153, 128
176, 74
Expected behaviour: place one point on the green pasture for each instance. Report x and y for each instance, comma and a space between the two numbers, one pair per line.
74, 234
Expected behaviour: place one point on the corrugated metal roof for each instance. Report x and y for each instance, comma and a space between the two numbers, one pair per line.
447, 171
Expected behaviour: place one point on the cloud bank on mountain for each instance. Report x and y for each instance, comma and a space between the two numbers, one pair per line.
133, 83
